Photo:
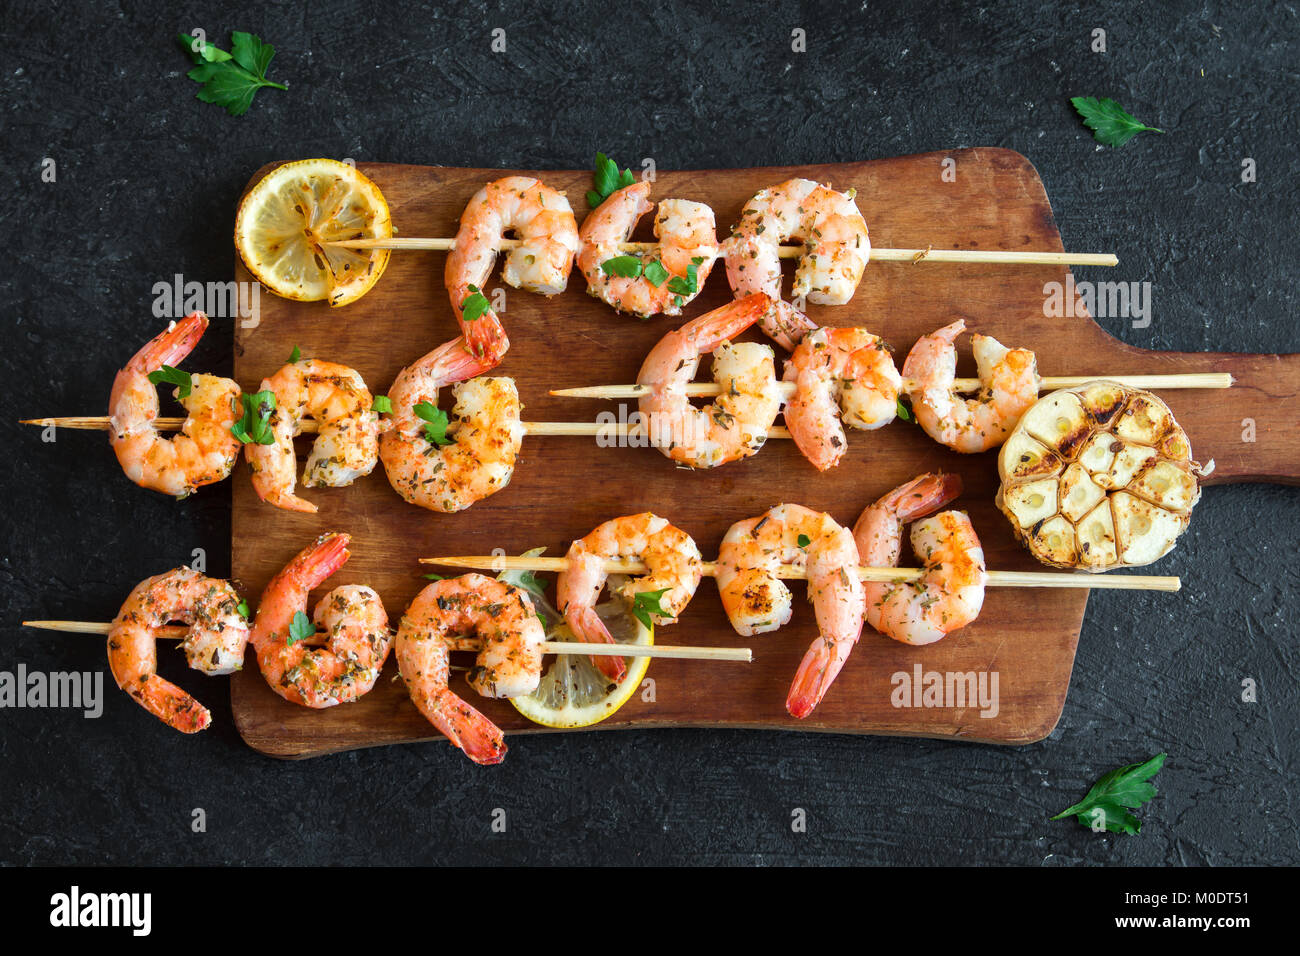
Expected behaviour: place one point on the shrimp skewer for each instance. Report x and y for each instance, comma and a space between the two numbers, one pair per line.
214, 643
836, 249
481, 459
205, 451
739, 423
950, 593
539, 262
841, 376
353, 616
672, 575
757, 601
1009, 380
347, 434
878, 254
686, 252
509, 665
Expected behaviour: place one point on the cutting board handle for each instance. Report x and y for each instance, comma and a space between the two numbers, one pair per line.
1251, 430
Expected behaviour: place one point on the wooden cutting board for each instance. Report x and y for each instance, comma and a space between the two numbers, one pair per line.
564, 487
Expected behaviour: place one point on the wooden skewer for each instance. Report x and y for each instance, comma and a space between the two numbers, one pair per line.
554, 429
695, 389
1048, 384
1015, 579
743, 654
994, 257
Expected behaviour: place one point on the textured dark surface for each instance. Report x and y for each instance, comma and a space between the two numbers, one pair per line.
146, 185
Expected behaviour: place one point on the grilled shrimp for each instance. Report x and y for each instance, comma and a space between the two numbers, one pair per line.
674, 569
736, 425
347, 442
688, 246
848, 371
951, 592
479, 459
758, 602
352, 616
543, 220
204, 451
836, 249
214, 645
509, 665
1009, 380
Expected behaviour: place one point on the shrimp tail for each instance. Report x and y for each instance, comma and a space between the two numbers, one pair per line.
484, 338
173, 706
463, 358
319, 560
817, 671
172, 345
922, 495
725, 323
950, 333
480, 739
588, 627
289, 502
786, 325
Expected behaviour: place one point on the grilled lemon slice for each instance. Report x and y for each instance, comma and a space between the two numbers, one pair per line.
1098, 477
572, 692
287, 219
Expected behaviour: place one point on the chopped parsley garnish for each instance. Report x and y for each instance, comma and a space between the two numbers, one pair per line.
647, 603
690, 283
607, 179
655, 273
474, 305
382, 404
435, 423
300, 628
173, 376
255, 426
627, 267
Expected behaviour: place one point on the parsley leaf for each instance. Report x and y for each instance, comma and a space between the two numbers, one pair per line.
474, 305
244, 610
804, 540
295, 356
690, 283
655, 273
535, 586
230, 80
607, 180
382, 404
904, 412
1110, 125
255, 426
628, 267
433, 577
1108, 802
300, 628
647, 603
435, 428
173, 376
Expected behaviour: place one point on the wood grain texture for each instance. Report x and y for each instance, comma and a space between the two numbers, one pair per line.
563, 487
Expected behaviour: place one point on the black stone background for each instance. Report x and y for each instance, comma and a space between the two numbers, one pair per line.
147, 179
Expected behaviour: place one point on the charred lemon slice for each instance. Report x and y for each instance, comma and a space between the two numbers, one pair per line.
287, 221
1098, 477
572, 692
